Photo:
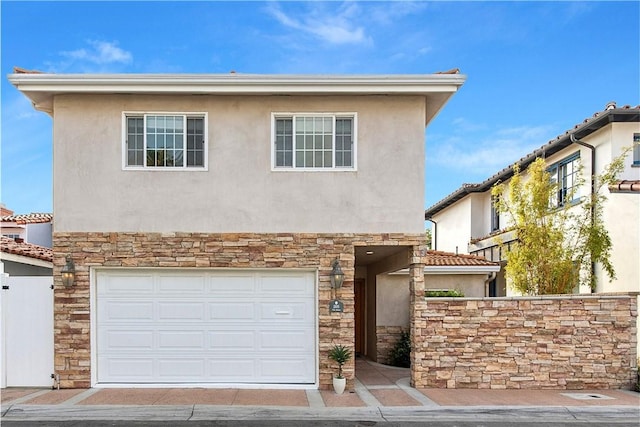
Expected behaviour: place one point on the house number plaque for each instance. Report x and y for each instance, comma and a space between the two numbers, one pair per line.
336, 306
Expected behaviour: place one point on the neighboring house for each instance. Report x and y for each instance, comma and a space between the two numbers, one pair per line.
19, 258
204, 215
26, 243
466, 219
35, 228
443, 271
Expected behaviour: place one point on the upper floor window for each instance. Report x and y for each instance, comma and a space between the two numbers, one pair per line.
314, 141
495, 215
636, 149
565, 174
165, 140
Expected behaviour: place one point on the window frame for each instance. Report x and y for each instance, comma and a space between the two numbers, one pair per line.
635, 157
495, 215
185, 114
553, 170
334, 115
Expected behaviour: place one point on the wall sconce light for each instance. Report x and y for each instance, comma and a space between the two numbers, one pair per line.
68, 273
337, 276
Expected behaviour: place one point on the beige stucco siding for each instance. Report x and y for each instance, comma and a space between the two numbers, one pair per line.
392, 293
454, 227
239, 191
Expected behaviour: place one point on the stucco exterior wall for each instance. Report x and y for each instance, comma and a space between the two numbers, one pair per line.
392, 293
558, 342
39, 234
239, 192
454, 227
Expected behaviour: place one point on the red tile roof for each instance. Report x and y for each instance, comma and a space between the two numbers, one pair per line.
439, 258
28, 218
626, 186
11, 246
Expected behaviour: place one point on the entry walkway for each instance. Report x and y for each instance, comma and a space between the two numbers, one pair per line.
380, 391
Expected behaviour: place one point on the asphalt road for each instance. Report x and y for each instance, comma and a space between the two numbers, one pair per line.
317, 423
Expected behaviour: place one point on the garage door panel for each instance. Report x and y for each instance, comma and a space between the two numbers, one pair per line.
126, 369
181, 369
277, 285
293, 312
116, 284
181, 311
232, 284
232, 369
232, 311
206, 327
181, 285
277, 369
127, 339
232, 340
300, 340
123, 311
181, 340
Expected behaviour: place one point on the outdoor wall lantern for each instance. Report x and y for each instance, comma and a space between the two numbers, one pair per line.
337, 276
68, 273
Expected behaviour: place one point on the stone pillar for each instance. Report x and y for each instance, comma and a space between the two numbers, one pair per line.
417, 307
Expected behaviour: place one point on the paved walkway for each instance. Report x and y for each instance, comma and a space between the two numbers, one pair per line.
379, 390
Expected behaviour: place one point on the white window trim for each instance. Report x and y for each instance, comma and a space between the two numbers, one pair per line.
276, 115
204, 168
553, 171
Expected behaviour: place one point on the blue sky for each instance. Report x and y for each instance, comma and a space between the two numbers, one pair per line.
534, 69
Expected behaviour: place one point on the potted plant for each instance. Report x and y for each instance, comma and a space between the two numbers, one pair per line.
341, 355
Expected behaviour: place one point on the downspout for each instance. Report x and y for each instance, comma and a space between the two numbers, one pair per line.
435, 233
575, 140
488, 280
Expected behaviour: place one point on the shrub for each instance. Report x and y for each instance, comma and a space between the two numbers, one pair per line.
401, 354
440, 293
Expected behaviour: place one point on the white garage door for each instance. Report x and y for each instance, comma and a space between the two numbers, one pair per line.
246, 327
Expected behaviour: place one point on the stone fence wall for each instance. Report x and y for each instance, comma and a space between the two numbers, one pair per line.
560, 342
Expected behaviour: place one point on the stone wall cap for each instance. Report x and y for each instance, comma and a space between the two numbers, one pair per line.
604, 295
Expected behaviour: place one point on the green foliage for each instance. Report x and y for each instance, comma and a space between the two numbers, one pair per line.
446, 294
401, 354
428, 235
341, 355
636, 386
555, 247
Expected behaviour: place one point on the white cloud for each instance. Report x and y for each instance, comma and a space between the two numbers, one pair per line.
484, 153
388, 13
332, 26
99, 56
101, 52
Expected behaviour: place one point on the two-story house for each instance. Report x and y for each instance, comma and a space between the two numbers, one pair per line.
206, 221
467, 220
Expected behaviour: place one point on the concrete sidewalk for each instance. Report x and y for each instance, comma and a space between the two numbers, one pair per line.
381, 394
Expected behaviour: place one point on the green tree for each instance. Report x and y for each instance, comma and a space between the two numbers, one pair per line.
555, 247
428, 235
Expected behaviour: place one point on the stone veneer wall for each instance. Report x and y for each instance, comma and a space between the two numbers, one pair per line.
387, 337
560, 342
72, 324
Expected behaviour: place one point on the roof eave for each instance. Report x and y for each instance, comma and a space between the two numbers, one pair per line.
561, 142
454, 269
27, 260
41, 88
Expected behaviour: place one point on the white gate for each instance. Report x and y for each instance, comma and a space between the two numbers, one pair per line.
27, 331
